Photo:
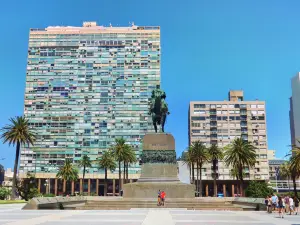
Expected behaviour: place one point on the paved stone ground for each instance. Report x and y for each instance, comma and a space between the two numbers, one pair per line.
13, 215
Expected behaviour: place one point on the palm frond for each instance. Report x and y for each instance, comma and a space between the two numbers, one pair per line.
68, 172
107, 161
18, 131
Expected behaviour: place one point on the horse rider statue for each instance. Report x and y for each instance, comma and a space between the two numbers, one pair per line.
158, 108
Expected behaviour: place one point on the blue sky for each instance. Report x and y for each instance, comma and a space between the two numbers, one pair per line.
208, 47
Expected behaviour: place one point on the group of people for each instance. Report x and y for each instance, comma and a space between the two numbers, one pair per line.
284, 204
161, 198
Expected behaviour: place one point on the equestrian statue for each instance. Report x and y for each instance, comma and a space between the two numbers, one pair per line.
158, 108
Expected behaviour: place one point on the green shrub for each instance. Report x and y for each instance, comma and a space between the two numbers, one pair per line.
49, 195
33, 193
258, 190
27, 188
4, 193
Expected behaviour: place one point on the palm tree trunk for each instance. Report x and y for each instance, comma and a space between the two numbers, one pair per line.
200, 180
215, 178
241, 180
127, 176
14, 181
295, 185
190, 169
105, 178
289, 183
237, 186
193, 173
68, 187
120, 177
124, 173
215, 185
197, 179
83, 175
242, 187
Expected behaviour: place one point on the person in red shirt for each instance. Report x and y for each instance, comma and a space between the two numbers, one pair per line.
163, 197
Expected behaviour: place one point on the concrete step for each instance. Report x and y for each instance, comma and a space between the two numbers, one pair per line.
125, 203
168, 205
154, 203
187, 204
139, 207
190, 204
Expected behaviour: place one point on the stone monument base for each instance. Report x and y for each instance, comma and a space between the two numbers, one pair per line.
159, 171
150, 190
155, 177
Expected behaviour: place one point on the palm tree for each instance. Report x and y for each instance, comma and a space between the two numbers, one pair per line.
107, 162
215, 155
17, 133
84, 162
238, 155
189, 160
295, 171
285, 172
129, 157
295, 165
119, 150
67, 172
201, 156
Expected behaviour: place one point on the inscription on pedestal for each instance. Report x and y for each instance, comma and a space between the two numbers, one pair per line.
158, 148
161, 141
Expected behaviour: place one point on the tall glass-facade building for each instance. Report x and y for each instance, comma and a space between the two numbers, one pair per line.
86, 86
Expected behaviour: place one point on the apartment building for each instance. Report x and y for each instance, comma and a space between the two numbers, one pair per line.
220, 122
271, 154
86, 86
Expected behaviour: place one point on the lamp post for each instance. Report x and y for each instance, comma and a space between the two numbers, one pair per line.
276, 175
46, 185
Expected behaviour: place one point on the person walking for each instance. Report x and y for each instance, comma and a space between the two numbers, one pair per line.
267, 203
280, 204
274, 201
158, 198
287, 204
296, 203
270, 204
291, 202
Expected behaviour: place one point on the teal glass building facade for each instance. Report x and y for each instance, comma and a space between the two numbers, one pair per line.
86, 86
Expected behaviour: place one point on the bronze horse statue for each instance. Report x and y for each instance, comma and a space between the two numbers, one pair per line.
158, 108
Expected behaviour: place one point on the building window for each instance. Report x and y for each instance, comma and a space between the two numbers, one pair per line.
199, 106
195, 131
199, 111
198, 117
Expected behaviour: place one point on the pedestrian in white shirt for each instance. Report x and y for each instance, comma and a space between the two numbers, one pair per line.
291, 201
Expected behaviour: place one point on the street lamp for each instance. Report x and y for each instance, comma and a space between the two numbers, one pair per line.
47, 185
276, 175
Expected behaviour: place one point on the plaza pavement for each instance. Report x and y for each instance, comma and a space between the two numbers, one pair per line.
13, 215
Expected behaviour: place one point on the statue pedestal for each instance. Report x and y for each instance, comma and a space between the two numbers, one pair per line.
159, 171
